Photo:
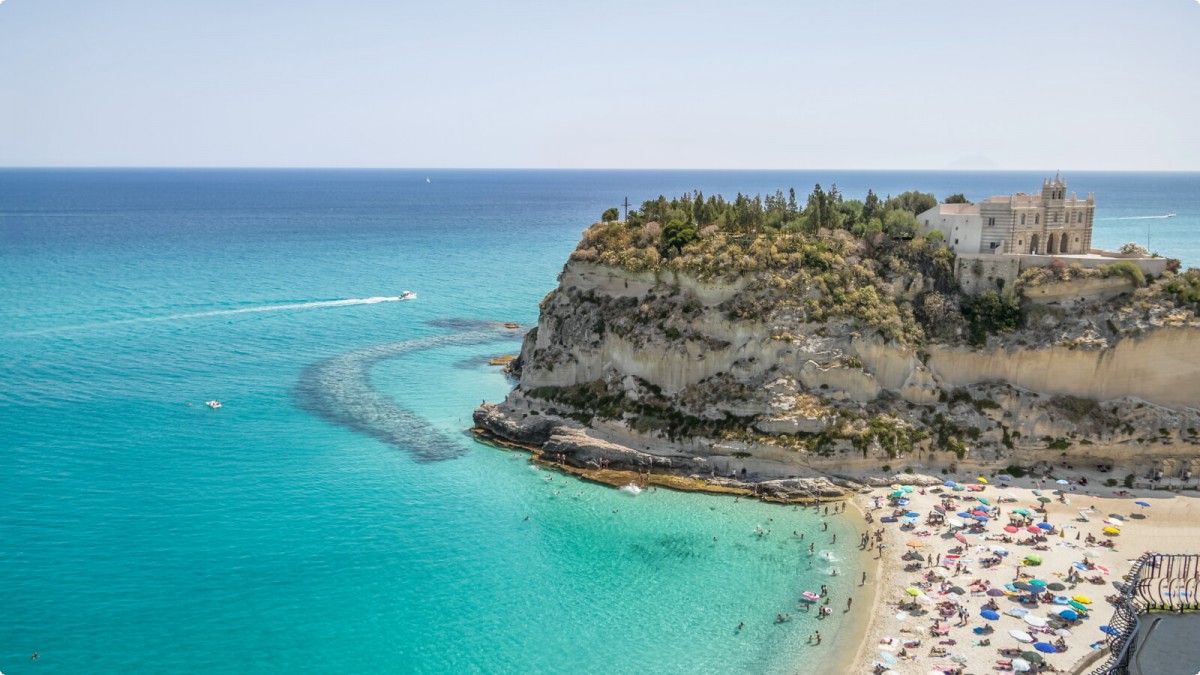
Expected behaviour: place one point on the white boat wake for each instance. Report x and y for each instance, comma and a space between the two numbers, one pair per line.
227, 312
1169, 215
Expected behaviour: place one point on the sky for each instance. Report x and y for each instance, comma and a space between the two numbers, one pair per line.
752, 84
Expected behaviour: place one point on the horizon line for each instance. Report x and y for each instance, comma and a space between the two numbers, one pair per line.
552, 168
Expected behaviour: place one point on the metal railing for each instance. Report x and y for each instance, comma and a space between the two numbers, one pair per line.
1155, 582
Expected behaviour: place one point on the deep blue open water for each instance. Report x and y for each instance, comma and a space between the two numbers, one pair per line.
333, 516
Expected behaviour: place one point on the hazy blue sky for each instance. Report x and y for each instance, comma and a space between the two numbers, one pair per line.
1010, 84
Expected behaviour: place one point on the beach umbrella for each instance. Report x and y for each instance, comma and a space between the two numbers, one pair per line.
990, 615
1110, 630
1115, 521
898, 493
980, 519
1033, 558
939, 508
925, 600
1020, 636
913, 591
1010, 529
1045, 647
1044, 500
983, 480
1063, 482
906, 488
1111, 531
1069, 615
913, 555
979, 512
1023, 512
984, 501
1024, 586
1032, 657
1056, 586
998, 550
915, 543
1021, 665
995, 592
958, 590
1035, 530
1004, 476
1082, 598
963, 514
912, 514
1037, 582
1035, 621
954, 522
949, 484
961, 538
1045, 526
1078, 605
1142, 504
958, 488
1063, 632
1061, 600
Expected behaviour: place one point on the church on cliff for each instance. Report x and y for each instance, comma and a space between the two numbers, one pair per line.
1050, 223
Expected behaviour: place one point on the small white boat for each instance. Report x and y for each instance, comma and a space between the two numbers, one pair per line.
1170, 215
407, 295
809, 596
214, 404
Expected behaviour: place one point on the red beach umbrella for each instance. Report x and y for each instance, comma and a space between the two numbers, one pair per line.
960, 538
1010, 529
1033, 529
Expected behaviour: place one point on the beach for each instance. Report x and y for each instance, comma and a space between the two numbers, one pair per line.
935, 577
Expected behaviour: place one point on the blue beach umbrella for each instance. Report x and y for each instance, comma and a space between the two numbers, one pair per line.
981, 519
990, 615
1069, 615
1110, 630
949, 484
964, 514
1045, 526
1045, 647
912, 514
1142, 504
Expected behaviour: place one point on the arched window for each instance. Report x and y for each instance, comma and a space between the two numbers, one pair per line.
1037, 218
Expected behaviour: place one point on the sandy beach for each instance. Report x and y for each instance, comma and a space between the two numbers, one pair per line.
937, 574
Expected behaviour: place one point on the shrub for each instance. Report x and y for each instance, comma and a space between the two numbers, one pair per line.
1128, 270
1129, 481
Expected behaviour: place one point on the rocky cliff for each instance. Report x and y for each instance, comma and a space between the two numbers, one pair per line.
757, 373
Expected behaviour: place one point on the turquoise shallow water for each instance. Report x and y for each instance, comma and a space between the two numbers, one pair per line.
333, 515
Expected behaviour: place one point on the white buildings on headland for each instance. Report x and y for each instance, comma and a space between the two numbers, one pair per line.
1046, 224
998, 237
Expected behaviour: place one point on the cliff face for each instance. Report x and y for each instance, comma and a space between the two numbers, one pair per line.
669, 367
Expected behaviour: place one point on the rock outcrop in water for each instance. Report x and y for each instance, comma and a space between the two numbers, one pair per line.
826, 356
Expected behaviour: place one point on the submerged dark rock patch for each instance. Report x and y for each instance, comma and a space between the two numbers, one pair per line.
339, 390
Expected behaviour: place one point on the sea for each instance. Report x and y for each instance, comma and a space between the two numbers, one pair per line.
334, 514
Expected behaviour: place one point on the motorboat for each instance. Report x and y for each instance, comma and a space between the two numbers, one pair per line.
214, 404
809, 596
407, 295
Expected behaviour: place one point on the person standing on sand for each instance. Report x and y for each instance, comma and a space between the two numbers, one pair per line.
849, 601
864, 580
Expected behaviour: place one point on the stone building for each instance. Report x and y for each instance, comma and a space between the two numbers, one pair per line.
1049, 223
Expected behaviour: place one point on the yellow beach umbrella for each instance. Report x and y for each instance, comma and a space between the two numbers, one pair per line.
916, 544
1111, 530
1082, 598
913, 591
983, 480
